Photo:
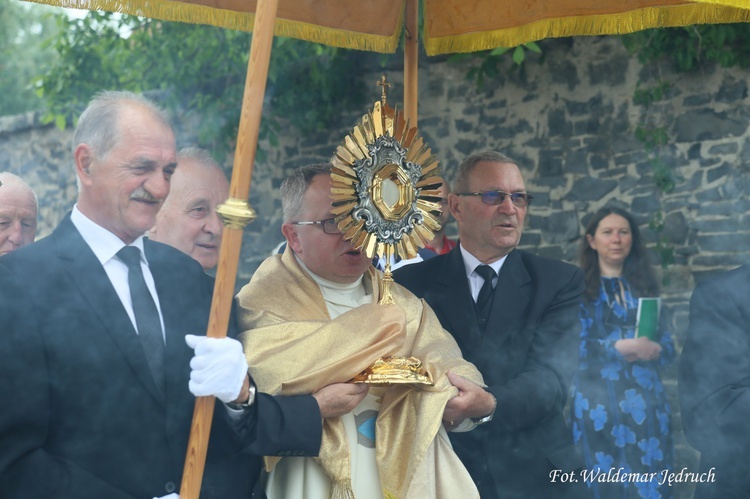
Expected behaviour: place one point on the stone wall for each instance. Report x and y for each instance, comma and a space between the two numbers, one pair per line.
568, 119
41, 155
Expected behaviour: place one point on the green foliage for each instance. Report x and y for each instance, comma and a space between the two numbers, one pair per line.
86, 64
685, 49
200, 71
665, 178
664, 249
651, 136
22, 53
654, 137
647, 96
491, 60
315, 83
688, 47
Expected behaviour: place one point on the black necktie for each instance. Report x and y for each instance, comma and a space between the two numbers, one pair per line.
485, 294
146, 315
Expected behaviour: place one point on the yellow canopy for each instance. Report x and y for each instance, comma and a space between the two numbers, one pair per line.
376, 25
449, 25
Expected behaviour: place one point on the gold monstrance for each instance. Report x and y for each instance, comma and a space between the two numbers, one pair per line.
385, 188
385, 193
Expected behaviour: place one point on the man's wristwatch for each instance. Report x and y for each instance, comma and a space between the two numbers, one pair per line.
488, 418
248, 402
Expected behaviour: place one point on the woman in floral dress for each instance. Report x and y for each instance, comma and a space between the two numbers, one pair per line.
619, 412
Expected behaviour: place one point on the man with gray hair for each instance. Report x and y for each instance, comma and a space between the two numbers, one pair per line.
515, 316
310, 318
100, 375
18, 213
188, 219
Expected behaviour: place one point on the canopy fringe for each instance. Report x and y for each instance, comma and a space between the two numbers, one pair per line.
698, 12
610, 24
740, 4
200, 14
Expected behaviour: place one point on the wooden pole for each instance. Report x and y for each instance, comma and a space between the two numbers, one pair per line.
239, 189
411, 61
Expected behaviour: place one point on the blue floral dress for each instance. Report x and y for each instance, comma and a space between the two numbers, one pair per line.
619, 412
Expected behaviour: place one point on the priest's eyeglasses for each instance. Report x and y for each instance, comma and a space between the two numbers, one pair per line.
328, 225
519, 199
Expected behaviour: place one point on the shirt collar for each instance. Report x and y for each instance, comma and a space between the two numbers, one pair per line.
102, 242
471, 262
322, 282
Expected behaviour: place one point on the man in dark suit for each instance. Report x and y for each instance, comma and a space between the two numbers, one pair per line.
514, 315
714, 384
95, 354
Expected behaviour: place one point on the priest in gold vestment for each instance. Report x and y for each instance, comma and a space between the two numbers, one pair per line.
310, 318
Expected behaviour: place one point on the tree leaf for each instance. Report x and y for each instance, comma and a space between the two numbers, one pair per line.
533, 47
500, 50
60, 121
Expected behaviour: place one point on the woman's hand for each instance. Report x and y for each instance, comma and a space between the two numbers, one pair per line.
638, 349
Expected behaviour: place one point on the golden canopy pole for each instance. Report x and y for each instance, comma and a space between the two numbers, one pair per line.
236, 214
411, 61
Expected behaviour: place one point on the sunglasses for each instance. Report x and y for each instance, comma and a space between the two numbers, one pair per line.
519, 199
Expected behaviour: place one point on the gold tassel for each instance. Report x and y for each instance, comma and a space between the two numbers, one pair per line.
741, 4
610, 24
167, 10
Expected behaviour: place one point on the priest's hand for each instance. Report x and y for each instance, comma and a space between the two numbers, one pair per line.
219, 368
339, 398
472, 401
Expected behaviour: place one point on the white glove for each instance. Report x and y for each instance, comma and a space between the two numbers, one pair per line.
219, 367
170, 496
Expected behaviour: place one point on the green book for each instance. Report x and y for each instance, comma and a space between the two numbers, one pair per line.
647, 319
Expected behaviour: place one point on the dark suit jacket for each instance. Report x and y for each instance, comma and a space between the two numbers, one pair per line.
714, 382
527, 355
81, 416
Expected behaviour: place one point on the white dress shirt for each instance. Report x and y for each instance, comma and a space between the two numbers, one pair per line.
475, 280
105, 246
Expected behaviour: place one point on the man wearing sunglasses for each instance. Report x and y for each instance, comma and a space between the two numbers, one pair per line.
514, 315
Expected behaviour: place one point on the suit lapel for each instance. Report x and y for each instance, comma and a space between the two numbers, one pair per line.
509, 301
91, 280
177, 354
453, 299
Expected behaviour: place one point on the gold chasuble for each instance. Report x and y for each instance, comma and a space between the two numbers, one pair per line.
293, 347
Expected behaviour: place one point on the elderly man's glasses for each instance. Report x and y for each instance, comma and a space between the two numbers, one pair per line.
328, 225
519, 199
